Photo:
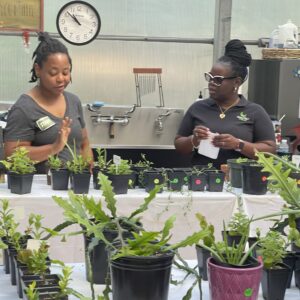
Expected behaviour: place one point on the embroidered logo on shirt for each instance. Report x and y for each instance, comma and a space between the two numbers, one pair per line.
44, 123
243, 117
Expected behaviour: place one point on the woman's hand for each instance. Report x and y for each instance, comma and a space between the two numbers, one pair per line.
63, 135
225, 141
200, 133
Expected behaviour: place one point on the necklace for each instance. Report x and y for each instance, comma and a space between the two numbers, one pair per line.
222, 114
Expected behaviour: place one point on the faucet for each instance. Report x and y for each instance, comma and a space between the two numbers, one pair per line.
159, 121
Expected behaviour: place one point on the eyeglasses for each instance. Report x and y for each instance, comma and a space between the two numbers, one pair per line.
218, 79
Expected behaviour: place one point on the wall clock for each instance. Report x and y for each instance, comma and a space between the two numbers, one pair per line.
78, 22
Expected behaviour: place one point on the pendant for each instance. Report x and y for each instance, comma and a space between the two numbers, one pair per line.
222, 116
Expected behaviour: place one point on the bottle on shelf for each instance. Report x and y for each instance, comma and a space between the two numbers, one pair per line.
284, 146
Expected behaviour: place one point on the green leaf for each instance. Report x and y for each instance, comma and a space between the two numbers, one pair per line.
109, 195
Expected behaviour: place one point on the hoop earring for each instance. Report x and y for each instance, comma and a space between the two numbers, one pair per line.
235, 89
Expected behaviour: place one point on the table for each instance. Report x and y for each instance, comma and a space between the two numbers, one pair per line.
261, 205
215, 206
9, 292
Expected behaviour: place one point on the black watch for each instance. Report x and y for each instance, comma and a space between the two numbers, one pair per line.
241, 146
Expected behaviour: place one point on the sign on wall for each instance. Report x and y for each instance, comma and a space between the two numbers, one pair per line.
21, 15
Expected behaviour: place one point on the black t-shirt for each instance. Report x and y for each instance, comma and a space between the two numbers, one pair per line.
246, 120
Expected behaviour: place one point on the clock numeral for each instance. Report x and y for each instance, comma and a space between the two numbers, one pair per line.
85, 36
71, 34
65, 29
94, 24
77, 37
79, 8
91, 31
62, 21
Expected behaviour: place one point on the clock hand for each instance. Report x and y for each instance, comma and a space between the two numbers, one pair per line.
74, 18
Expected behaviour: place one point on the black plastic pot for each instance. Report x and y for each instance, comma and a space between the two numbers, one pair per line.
140, 175
215, 181
202, 256
290, 260
251, 241
297, 220
297, 271
255, 182
119, 183
5, 261
20, 183
11, 254
177, 178
132, 180
80, 183
153, 178
60, 179
231, 239
99, 257
274, 282
296, 176
139, 277
197, 182
235, 173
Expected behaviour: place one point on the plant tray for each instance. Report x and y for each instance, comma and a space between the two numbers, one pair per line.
274, 53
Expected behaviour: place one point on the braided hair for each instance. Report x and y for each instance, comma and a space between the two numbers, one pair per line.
46, 47
237, 57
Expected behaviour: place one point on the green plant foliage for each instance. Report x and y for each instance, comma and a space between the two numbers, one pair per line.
55, 163
6, 221
121, 169
144, 162
279, 179
31, 292
19, 162
101, 161
79, 163
272, 249
238, 224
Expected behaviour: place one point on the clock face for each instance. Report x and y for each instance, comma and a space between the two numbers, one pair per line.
78, 22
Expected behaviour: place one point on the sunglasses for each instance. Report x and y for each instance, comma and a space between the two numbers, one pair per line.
218, 79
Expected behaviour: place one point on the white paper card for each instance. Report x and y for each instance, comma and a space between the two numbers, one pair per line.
33, 244
206, 148
116, 159
296, 160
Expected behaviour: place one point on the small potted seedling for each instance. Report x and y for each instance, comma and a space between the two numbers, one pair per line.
20, 171
80, 175
58, 172
101, 164
119, 173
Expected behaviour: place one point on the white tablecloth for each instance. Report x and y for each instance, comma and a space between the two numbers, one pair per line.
261, 205
9, 292
215, 206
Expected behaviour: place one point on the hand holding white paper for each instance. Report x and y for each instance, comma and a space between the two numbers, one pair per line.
206, 147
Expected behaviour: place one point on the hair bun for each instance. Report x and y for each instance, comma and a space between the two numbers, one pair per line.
43, 36
236, 50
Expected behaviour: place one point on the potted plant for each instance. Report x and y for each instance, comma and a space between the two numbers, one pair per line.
255, 181
141, 265
58, 172
235, 170
177, 178
20, 171
215, 180
101, 164
100, 227
275, 273
79, 168
119, 174
139, 167
197, 179
7, 222
237, 227
154, 177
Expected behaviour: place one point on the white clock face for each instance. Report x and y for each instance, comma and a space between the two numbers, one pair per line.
78, 22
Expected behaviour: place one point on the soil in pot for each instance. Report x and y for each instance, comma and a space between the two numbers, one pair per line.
20, 183
202, 256
255, 182
274, 282
60, 179
138, 278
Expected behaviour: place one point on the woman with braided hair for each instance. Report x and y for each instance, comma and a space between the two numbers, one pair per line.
47, 117
233, 124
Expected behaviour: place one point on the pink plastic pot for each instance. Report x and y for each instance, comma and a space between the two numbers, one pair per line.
227, 283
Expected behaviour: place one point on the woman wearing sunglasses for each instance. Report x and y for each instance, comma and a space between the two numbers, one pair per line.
236, 126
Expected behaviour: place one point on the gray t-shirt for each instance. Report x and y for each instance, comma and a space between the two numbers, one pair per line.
27, 121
